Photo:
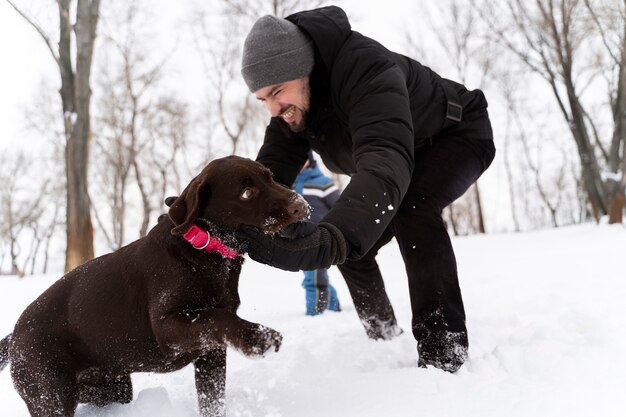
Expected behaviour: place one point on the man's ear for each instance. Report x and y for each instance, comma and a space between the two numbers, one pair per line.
184, 211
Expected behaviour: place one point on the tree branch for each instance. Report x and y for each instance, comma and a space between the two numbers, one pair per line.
39, 30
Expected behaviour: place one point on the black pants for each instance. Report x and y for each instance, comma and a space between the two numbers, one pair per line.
444, 170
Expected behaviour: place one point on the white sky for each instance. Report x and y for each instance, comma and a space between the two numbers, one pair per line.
26, 60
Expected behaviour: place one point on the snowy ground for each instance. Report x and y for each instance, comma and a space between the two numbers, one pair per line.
547, 338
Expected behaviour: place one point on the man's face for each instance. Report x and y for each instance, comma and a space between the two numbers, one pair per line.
289, 100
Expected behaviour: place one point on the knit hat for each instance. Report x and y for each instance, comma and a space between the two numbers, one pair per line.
275, 51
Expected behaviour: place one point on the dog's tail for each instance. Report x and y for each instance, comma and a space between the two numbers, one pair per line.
4, 352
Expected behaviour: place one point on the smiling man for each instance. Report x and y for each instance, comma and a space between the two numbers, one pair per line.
412, 143
289, 101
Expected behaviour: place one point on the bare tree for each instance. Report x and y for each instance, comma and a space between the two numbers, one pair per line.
464, 49
556, 39
22, 210
42, 118
230, 104
509, 173
218, 38
75, 70
552, 200
141, 131
14, 215
167, 125
253, 9
537, 160
140, 164
40, 230
609, 18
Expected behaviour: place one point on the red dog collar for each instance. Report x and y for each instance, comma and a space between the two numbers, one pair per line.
202, 240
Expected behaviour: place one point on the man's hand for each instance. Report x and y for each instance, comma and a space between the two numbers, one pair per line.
298, 229
324, 247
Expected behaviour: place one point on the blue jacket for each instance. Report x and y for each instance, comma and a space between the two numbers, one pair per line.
318, 190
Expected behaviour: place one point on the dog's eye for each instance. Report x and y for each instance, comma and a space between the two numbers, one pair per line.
246, 194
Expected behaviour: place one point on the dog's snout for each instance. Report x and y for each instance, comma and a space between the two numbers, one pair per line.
298, 208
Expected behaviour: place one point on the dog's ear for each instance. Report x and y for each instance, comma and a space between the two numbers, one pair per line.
184, 211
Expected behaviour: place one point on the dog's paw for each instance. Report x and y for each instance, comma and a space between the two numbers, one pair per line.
259, 339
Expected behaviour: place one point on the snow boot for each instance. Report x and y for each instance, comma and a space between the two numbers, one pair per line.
443, 349
333, 303
320, 295
378, 329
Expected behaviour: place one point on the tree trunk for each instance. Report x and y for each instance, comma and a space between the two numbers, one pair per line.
479, 210
452, 220
76, 95
617, 207
591, 172
15, 270
618, 185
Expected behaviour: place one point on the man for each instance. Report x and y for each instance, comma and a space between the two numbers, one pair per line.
412, 143
320, 192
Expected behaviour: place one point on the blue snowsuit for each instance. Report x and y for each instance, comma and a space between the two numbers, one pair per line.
321, 193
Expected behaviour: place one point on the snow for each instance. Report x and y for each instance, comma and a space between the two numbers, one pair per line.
546, 320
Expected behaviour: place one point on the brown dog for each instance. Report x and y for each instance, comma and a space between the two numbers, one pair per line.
155, 305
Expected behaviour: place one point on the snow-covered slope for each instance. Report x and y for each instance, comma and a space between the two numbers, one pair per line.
547, 338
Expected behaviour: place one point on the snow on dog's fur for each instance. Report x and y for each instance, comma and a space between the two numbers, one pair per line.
154, 305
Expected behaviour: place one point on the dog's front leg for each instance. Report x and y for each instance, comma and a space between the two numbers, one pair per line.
179, 332
211, 382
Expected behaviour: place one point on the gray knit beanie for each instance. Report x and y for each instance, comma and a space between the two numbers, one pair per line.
275, 51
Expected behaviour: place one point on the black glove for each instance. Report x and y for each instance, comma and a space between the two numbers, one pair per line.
324, 247
298, 229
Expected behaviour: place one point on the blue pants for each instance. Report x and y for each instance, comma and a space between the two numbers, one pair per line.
320, 295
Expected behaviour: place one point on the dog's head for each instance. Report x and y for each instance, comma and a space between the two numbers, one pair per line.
235, 191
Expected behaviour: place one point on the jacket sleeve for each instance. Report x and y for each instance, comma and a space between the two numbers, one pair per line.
283, 154
375, 101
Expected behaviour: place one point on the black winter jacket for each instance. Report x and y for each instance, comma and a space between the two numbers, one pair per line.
370, 110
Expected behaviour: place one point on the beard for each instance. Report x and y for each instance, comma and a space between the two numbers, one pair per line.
305, 93
301, 125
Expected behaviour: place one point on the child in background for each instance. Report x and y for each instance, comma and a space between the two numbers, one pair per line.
321, 193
